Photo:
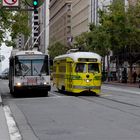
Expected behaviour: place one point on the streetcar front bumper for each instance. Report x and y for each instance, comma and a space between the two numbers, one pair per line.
32, 87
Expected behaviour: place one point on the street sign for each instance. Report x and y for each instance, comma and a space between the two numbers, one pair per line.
10, 3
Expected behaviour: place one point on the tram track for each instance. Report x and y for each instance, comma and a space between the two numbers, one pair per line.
99, 101
121, 102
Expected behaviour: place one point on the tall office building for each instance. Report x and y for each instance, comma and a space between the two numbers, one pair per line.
35, 29
39, 23
44, 26
80, 16
85, 12
60, 21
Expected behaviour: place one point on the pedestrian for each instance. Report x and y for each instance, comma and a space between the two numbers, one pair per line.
124, 76
139, 79
134, 77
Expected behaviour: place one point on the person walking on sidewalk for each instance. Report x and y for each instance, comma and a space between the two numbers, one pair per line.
139, 79
134, 77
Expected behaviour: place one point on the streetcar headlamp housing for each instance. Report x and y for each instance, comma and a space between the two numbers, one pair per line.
45, 83
18, 84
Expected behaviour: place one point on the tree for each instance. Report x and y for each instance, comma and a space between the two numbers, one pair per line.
118, 30
81, 42
13, 24
5, 24
56, 49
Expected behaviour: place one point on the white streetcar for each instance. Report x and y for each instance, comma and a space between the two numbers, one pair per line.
29, 70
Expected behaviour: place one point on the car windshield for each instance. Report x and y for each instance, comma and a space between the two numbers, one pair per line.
93, 68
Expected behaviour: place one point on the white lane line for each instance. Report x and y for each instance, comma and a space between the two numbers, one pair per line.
13, 130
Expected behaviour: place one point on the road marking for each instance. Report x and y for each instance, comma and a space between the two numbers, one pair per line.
13, 130
106, 95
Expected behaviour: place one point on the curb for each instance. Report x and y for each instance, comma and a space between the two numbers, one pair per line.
4, 132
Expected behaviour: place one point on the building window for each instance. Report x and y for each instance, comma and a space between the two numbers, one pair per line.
35, 23
69, 7
35, 17
35, 34
35, 12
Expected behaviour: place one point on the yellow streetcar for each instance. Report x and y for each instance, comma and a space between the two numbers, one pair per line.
77, 72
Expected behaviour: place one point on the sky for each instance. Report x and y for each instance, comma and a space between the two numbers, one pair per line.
5, 52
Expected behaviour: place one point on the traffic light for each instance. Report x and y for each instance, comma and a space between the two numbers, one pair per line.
35, 4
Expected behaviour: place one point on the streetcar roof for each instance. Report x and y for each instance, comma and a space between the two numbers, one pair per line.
77, 55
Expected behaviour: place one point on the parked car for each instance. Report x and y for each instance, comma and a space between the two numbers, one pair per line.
5, 74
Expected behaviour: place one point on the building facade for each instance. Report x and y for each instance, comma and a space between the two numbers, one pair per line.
80, 17
60, 21
85, 12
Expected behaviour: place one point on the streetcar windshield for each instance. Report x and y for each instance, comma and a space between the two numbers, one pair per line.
80, 67
31, 67
93, 68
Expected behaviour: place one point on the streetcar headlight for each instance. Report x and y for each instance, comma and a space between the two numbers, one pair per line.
45, 83
87, 81
18, 84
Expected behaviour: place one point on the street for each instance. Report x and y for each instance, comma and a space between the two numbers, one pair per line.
115, 115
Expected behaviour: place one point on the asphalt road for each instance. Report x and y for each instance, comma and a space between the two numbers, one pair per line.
115, 115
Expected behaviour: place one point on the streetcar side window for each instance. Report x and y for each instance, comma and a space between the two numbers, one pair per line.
80, 67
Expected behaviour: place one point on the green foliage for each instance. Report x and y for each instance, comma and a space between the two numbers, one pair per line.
81, 41
20, 24
118, 29
99, 41
56, 49
5, 24
13, 23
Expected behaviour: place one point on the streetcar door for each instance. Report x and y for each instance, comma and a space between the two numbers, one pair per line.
69, 76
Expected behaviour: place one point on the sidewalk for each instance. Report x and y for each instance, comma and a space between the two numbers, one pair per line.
4, 132
136, 85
